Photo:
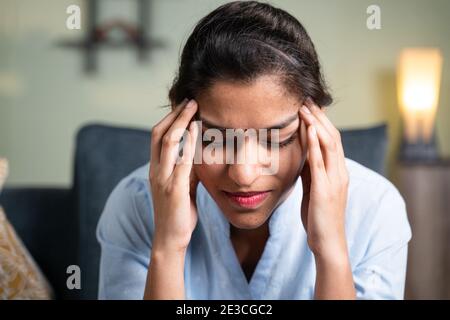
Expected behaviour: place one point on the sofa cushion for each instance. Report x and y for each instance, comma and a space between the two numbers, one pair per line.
20, 277
367, 146
104, 155
46, 222
3, 172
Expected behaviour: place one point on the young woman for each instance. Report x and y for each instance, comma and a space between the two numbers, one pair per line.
320, 226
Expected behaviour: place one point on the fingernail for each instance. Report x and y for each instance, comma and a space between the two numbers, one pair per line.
305, 109
311, 104
183, 102
190, 104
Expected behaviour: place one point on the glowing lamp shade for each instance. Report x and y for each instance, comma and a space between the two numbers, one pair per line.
419, 78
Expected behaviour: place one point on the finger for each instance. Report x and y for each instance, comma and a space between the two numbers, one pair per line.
327, 142
171, 140
160, 129
184, 166
321, 116
332, 130
316, 163
302, 135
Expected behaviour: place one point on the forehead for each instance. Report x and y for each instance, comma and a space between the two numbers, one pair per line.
260, 104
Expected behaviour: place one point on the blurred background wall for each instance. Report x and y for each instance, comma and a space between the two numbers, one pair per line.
45, 96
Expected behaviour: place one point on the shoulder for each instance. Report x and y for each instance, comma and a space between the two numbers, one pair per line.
367, 185
128, 211
375, 207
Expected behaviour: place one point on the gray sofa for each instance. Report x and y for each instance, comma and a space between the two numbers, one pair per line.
58, 224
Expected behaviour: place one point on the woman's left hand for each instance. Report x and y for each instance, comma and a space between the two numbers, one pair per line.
325, 184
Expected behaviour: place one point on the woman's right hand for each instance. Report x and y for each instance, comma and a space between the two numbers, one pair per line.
172, 180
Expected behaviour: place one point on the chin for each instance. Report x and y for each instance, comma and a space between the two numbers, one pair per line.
247, 221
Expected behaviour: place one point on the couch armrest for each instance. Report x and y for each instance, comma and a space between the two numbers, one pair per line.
45, 220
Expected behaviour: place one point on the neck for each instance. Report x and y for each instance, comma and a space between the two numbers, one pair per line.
262, 232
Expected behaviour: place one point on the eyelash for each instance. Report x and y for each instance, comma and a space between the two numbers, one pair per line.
282, 144
287, 142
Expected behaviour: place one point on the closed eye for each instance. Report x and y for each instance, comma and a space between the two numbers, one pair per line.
281, 144
286, 142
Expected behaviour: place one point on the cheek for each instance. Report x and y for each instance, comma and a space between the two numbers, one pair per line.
291, 161
207, 174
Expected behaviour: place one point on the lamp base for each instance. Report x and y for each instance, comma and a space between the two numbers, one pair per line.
420, 152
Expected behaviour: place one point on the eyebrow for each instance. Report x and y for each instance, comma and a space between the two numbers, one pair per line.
281, 125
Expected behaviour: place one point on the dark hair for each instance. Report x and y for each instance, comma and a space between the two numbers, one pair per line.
242, 40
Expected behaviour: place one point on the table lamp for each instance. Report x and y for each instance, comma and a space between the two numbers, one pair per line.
418, 82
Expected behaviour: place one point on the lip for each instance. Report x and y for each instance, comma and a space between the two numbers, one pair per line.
249, 200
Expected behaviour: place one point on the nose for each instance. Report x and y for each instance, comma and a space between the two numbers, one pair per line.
244, 171
243, 174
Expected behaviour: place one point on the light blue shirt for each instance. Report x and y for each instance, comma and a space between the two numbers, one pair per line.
377, 232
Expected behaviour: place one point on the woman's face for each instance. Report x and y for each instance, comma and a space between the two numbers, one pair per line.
261, 105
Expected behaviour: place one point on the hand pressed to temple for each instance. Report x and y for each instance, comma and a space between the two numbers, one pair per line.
325, 184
